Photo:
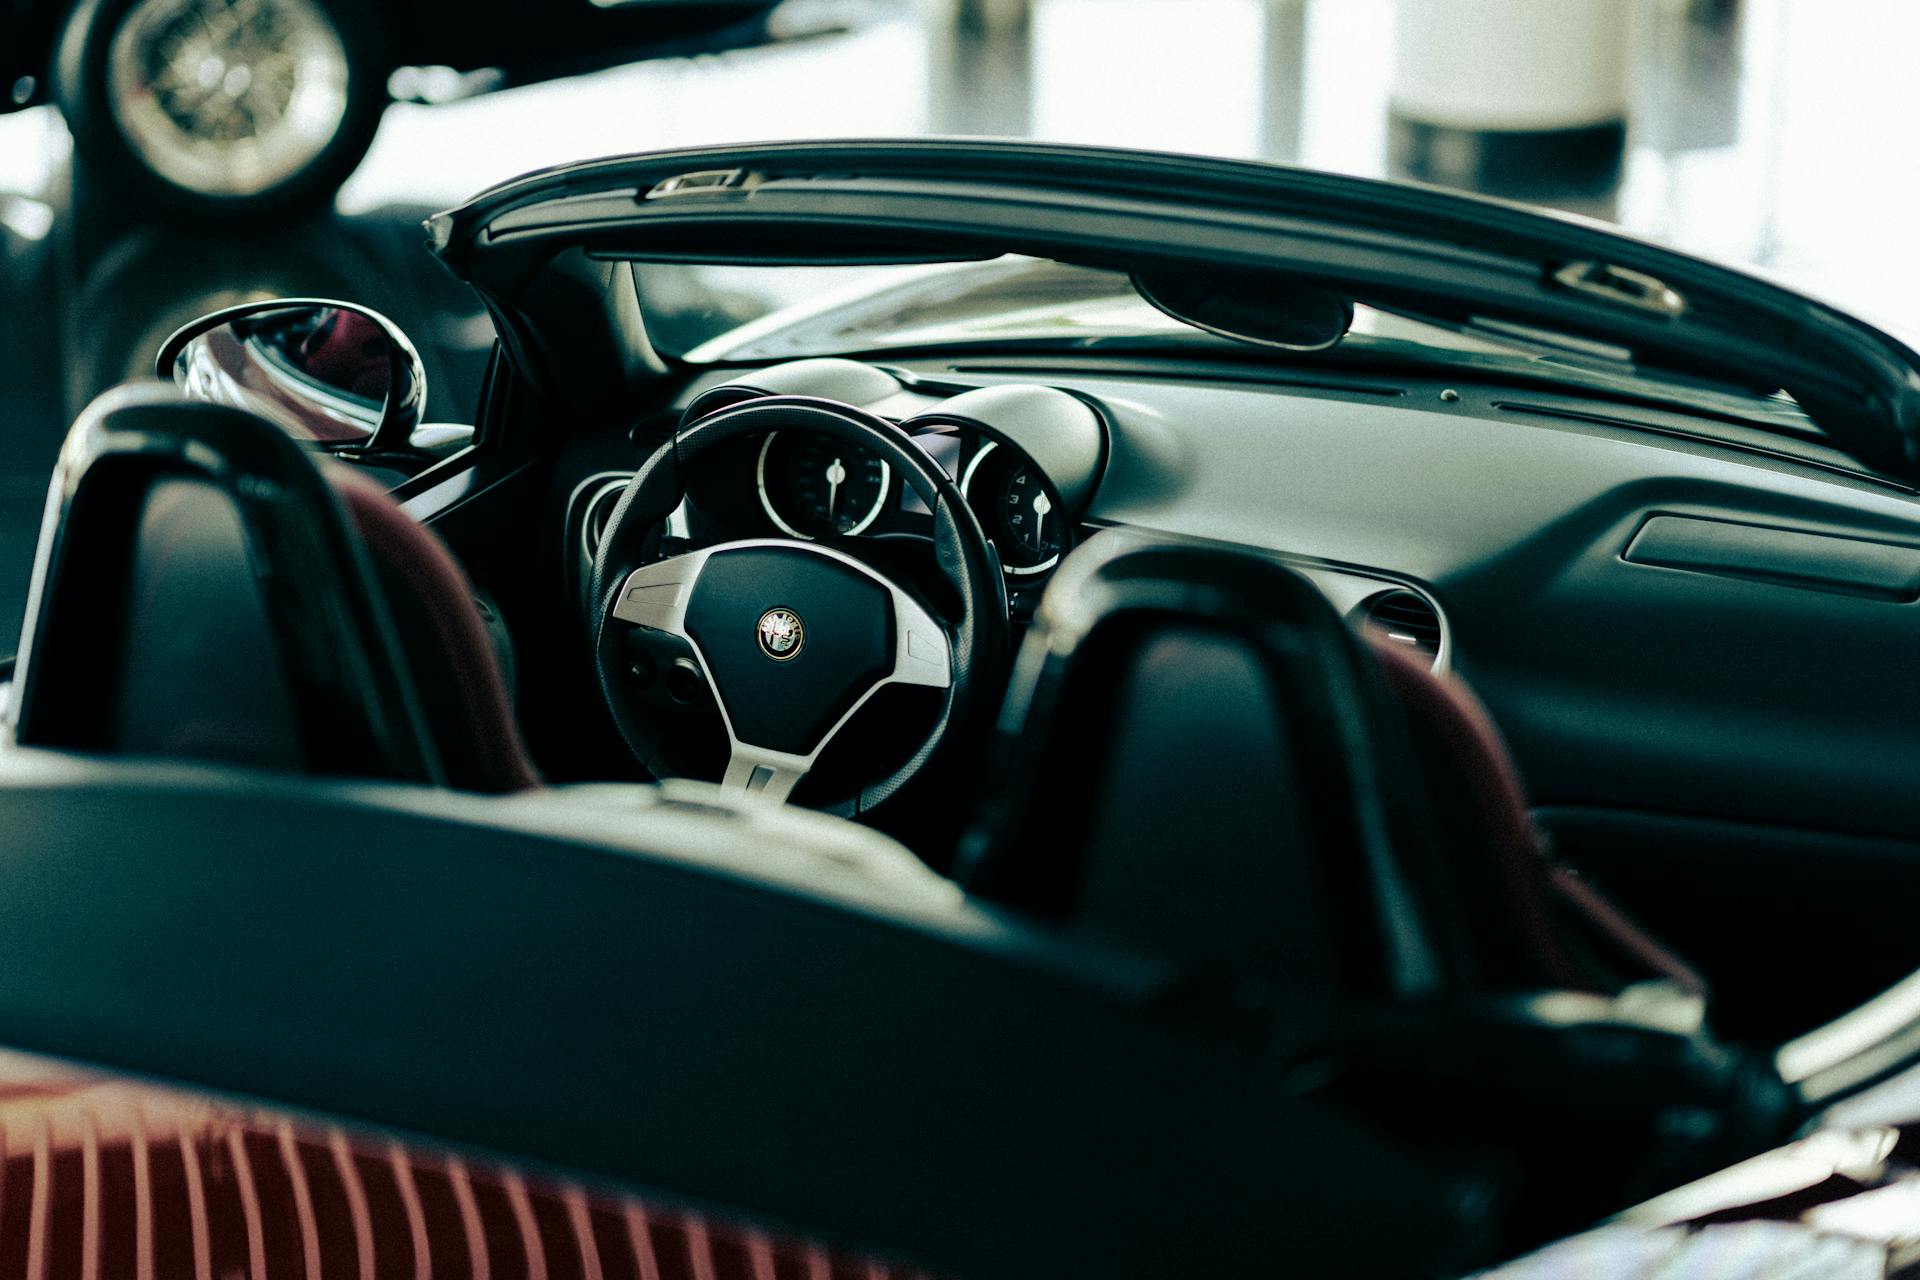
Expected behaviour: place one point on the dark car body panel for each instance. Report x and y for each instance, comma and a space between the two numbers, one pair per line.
621, 993
528, 40
534, 41
27, 29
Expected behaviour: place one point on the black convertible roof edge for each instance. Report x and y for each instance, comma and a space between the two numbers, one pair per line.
1441, 252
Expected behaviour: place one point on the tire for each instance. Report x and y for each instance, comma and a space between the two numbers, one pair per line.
315, 71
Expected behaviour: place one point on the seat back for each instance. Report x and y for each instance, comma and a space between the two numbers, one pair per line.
1191, 764
1200, 758
198, 593
201, 673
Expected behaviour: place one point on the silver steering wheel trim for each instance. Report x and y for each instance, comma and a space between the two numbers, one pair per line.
656, 596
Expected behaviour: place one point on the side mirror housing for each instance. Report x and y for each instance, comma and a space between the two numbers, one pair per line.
342, 376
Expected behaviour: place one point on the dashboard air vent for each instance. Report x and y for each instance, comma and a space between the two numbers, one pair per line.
1405, 618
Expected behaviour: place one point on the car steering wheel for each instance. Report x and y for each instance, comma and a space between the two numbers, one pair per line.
794, 637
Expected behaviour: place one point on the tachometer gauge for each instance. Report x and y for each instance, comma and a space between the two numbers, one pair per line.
1016, 508
813, 486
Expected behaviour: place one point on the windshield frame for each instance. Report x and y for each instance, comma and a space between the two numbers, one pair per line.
1436, 253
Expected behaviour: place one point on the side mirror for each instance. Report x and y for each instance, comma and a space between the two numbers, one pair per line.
342, 376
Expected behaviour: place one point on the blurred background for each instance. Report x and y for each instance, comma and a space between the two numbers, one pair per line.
1771, 133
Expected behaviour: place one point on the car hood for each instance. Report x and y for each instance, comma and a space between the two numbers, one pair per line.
529, 244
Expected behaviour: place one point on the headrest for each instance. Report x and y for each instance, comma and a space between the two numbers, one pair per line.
198, 592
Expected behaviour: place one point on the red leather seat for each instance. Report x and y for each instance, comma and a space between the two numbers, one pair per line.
1535, 922
251, 608
349, 352
455, 665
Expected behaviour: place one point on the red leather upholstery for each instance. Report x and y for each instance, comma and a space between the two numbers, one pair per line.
453, 661
348, 351
1539, 923
102, 1178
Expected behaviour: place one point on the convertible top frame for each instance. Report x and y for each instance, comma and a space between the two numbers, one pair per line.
546, 252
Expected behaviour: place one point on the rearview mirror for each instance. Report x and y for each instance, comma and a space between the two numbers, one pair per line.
341, 376
1266, 308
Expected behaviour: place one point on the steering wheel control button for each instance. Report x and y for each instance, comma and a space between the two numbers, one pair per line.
782, 634
685, 684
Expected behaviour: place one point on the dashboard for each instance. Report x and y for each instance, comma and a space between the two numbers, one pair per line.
1497, 523
1684, 724
1035, 462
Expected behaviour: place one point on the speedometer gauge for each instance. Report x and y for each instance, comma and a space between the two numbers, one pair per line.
1016, 507
814, 486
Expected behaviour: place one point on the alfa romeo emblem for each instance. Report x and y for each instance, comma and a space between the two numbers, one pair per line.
781, 634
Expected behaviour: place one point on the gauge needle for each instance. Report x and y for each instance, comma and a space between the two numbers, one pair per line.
1041, 505
836, 476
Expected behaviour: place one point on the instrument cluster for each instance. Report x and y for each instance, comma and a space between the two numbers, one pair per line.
810, 486
1026, 458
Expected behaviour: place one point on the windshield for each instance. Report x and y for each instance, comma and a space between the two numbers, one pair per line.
770, 313
720, 314
708, 314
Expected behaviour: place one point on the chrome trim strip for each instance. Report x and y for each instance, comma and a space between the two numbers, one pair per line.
1858, 1046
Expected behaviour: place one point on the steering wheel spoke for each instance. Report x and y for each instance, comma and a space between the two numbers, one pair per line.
786, 685
770, 775
656, 595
